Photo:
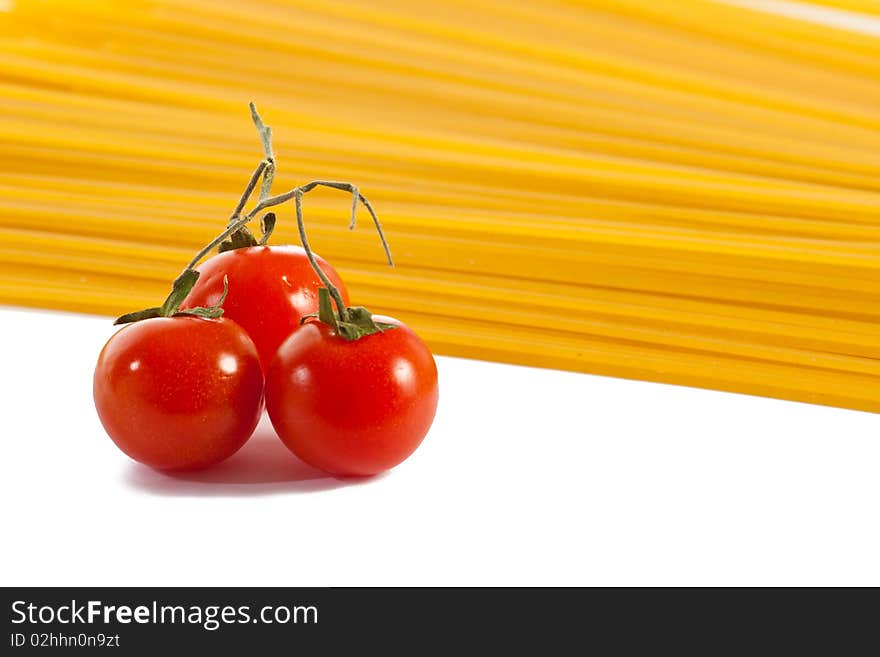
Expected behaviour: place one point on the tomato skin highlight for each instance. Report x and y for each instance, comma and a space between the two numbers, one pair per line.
352, 408
270, 289
179, 393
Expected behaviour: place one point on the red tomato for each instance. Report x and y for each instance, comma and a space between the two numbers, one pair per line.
352, 407
270, 289
179, 393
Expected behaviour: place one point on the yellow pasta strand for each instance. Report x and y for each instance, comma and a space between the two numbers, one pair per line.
684, 192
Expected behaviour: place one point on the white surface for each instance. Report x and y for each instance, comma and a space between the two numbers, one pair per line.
528, 477
842, 19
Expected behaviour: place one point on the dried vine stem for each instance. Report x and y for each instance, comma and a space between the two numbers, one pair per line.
266, 170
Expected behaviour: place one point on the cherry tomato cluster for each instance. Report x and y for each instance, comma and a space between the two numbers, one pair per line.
182, 386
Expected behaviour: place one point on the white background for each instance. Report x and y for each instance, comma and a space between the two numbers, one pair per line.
528, 477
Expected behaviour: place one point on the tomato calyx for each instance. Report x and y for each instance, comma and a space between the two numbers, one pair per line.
350, 323
357, 323
244, 238
182, 286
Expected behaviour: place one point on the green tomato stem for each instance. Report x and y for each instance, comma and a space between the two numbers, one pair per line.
352, 322
334, 292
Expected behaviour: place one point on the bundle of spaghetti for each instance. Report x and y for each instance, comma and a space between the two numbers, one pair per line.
688, 195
